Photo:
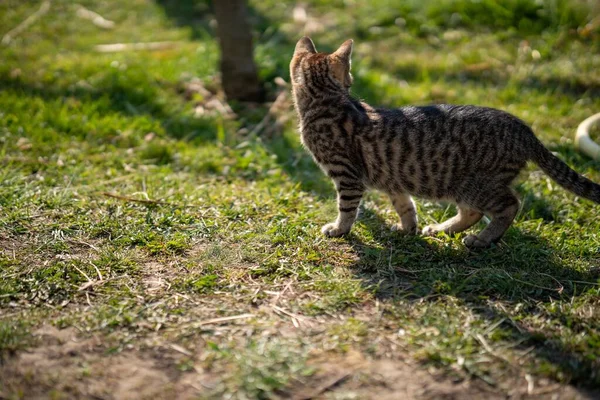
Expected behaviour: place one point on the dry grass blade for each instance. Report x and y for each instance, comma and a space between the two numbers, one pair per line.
491, 351
295, 317
91, 284
96, 18
216, 321
281, 293
122, 47
91, 246
97, 271
9, 37
180, 349
83, 273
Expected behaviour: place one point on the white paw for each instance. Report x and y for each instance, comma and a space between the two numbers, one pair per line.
473, 242
332, 230
430, 230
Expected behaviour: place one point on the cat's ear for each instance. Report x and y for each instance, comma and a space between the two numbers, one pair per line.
305, 45
344, 53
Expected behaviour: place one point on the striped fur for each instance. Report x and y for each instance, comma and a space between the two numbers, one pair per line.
465, 154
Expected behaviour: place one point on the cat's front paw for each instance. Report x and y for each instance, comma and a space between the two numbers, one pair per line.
333, 230
430, 230
473, 242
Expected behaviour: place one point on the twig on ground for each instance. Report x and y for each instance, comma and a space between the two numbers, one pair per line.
176, 295
215, 321
16, 31
296, 319
281, 293
84, 274
96, 18
533, 284
97, 271
91, 283
91, 246
395, 343
530, 384
560, 286
491, 351
180, 349
121, 47
494, 326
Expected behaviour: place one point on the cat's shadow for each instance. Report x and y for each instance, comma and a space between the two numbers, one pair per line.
522, 269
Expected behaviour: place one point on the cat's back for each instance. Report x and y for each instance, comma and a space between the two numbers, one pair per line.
444, 125
431, 150
474, 115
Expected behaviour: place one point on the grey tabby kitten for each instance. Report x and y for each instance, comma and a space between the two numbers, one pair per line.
465, 154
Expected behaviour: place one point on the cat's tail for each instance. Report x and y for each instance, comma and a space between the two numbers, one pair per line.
563, 174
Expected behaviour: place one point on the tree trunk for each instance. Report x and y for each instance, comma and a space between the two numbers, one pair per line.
238, 71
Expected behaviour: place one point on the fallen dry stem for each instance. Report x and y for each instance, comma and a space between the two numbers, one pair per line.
122, 47
16, 31
217, 320
96, 18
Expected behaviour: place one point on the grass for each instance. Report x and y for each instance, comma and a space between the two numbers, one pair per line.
232, 228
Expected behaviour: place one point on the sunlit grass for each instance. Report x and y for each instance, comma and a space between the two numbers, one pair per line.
210, 221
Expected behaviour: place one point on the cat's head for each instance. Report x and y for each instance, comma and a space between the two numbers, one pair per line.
320, 71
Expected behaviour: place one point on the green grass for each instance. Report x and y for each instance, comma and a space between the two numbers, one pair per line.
235, 228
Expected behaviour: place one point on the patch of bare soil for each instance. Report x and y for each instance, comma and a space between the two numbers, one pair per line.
65, 365
76, 368
353, 376
156, 275
81, 368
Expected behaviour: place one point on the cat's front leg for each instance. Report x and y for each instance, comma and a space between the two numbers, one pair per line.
405, 207
349, 195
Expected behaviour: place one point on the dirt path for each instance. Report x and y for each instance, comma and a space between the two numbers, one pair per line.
67, 366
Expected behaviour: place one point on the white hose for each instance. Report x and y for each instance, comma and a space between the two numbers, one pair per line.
582, 138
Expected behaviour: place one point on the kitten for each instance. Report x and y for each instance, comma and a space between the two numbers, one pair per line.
465, 154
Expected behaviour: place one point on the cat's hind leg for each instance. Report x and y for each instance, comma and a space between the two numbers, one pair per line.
466, 218
405, 207
502, 207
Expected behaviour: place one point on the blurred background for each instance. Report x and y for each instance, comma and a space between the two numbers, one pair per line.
407, 51
155, 75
